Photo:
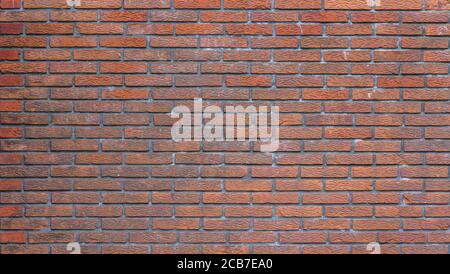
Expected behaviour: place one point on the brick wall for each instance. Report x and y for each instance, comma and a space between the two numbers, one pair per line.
86, 152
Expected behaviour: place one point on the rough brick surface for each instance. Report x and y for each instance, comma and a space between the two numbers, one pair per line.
86, 153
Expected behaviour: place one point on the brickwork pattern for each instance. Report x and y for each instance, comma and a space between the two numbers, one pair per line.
86, 153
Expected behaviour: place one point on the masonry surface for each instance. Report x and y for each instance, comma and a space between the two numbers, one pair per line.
86, 153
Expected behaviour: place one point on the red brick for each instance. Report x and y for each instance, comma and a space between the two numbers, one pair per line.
86, 28
303, 237
126, 42
123, 16
146, 4
10, 4
9, 55
197, 4
324, 16
12, 237
246, 4
295, 4
69, 42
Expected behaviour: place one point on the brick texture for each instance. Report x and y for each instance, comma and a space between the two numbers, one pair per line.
86, 153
